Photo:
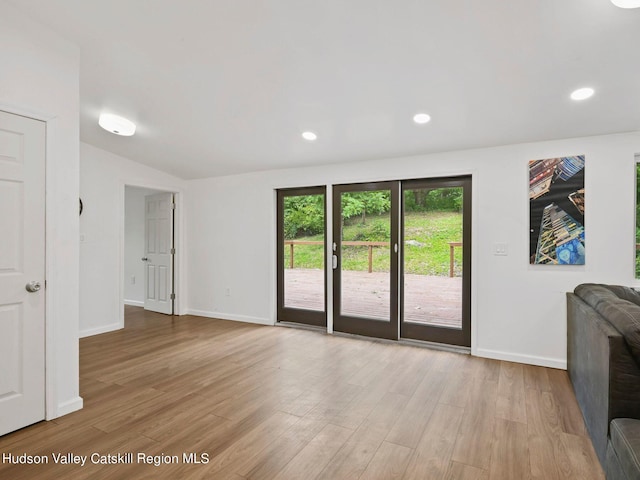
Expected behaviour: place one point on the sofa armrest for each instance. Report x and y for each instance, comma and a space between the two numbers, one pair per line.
605, 377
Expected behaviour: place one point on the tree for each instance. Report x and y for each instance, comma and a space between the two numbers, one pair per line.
437, 199
303, 215
363, 203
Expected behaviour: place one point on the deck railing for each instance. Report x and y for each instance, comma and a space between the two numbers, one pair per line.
292, 243
452, 247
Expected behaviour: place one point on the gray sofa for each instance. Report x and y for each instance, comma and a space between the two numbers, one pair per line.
603, 359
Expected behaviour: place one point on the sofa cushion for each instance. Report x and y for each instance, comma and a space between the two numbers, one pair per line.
594, 293
625, 439
625, 317
625, 293
622, 314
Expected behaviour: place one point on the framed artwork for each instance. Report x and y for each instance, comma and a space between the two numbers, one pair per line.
556, 211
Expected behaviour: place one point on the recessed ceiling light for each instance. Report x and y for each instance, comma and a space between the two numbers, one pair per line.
626, 3
310, 136
118, 125
582, 93
421, 118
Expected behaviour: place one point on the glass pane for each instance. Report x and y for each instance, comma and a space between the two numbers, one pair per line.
366, 257
433, 256
304, 252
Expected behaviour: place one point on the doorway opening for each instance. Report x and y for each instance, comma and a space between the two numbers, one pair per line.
149, 253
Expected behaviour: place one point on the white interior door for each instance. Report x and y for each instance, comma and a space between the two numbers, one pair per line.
22, 268
159, 251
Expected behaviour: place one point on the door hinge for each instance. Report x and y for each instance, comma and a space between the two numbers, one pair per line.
173, 206
173, 296
173, 251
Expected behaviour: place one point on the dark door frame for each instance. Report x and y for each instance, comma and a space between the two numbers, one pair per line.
288, 314
437, 334
355, 324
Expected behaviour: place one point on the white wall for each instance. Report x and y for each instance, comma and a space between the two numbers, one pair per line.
40, 79
518, 310
134, 226
103, 177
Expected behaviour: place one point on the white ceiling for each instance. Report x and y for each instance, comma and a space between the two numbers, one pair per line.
220, 87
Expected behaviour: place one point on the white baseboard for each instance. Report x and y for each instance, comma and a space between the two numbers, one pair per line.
230, 316
69, 406
133, 303
518, 358
98, 330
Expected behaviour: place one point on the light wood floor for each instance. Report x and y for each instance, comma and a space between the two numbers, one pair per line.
284, 403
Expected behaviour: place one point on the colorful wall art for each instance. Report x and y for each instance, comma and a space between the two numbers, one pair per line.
556, 211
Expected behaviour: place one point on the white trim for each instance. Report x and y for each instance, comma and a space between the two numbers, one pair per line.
52, 409
273, 259
475, 227
133, 303
519, 358
26, 112
98, 330
231, 316
70, 406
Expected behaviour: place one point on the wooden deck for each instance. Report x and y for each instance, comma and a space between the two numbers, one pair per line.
428, 299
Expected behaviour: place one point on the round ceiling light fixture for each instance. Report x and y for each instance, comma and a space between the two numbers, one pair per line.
626, 3
582, 93
309, 136
422, 118
118, 125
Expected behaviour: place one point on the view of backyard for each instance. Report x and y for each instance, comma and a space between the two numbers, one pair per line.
432, 231
427, 237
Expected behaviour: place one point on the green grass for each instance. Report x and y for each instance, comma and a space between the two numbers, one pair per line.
432, 229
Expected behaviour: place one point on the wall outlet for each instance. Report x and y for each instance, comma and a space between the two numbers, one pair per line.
227, 292
133, 279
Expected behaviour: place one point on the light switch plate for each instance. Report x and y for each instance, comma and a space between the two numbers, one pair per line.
500, 249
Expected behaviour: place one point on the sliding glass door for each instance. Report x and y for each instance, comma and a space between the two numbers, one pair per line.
401, 259
365, 266
301, 256
436, 260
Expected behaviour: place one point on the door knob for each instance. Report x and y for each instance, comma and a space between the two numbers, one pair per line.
33, 286
145, 259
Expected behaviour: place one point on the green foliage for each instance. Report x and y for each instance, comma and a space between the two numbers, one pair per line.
303, 215
377, 230
434, 231
365, 203
436, 200
429, 256
306, 256
433, 218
